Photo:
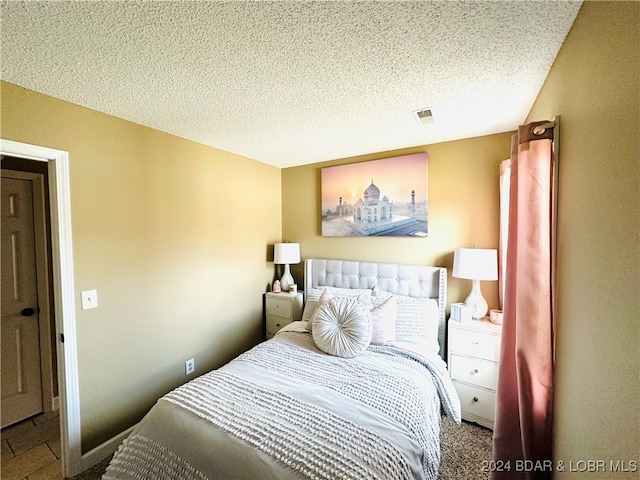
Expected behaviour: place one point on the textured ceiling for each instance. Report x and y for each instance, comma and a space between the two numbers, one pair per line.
291, 82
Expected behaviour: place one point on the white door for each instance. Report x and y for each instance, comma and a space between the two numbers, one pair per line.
21, 375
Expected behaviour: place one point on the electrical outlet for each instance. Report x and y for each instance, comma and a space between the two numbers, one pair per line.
190, 366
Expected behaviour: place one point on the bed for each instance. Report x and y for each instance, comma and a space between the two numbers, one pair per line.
316, 401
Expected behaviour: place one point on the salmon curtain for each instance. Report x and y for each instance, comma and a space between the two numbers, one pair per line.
524, 405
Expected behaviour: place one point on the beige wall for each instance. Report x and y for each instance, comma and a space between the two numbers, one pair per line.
463, 211
594, 86
174, 237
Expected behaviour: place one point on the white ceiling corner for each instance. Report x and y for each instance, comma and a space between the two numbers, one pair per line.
291, 82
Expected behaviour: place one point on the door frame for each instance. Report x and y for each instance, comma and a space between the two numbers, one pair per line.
42, 280
63, 294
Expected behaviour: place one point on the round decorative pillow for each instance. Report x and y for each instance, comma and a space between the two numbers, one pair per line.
342, 327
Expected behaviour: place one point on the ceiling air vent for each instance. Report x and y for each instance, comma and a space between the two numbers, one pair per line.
423, 116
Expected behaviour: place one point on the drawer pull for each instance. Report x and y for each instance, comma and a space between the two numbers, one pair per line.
475, 370
475, 399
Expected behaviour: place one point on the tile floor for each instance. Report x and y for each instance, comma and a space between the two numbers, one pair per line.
31, 449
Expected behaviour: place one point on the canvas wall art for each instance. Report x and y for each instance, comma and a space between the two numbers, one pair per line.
385, 197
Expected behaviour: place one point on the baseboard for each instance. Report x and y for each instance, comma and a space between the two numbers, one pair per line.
96, 455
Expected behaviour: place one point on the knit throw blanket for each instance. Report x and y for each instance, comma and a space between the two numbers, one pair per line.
312, 440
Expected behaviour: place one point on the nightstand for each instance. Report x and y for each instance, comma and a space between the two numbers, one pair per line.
474, 355
281, 309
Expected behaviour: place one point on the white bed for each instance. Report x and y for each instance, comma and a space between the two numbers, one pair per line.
286, 409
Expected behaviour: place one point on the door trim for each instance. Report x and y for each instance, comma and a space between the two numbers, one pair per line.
42, 280
64, 296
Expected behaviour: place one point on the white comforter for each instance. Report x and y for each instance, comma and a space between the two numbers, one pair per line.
285, 410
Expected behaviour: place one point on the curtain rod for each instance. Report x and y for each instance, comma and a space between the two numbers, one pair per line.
540, 129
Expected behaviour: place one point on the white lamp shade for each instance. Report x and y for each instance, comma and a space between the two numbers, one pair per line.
286, 253
475, 263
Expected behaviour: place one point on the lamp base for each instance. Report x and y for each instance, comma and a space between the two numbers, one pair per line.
287, 279
476, 301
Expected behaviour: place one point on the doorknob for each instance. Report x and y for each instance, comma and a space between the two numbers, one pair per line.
27, 312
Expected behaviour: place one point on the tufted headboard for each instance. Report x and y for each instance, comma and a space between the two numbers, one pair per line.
396, 278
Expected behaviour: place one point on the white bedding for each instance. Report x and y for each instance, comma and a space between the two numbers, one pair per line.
286, 410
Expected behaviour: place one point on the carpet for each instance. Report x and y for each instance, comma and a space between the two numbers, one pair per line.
465, 450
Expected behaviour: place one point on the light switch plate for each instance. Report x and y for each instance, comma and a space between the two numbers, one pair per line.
89, 299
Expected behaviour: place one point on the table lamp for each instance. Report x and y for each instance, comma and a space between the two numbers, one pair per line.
476, 264
286, 254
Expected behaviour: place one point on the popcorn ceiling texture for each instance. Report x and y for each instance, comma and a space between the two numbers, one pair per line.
291, 82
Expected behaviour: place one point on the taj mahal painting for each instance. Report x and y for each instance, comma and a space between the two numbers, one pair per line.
377, 198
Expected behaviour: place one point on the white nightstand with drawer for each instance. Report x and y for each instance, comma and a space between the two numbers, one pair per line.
474, 355
281, 309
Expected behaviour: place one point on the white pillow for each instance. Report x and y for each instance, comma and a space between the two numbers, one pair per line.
314, 294
325, 297
383, 320
349, 292
417, 319
342, 327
